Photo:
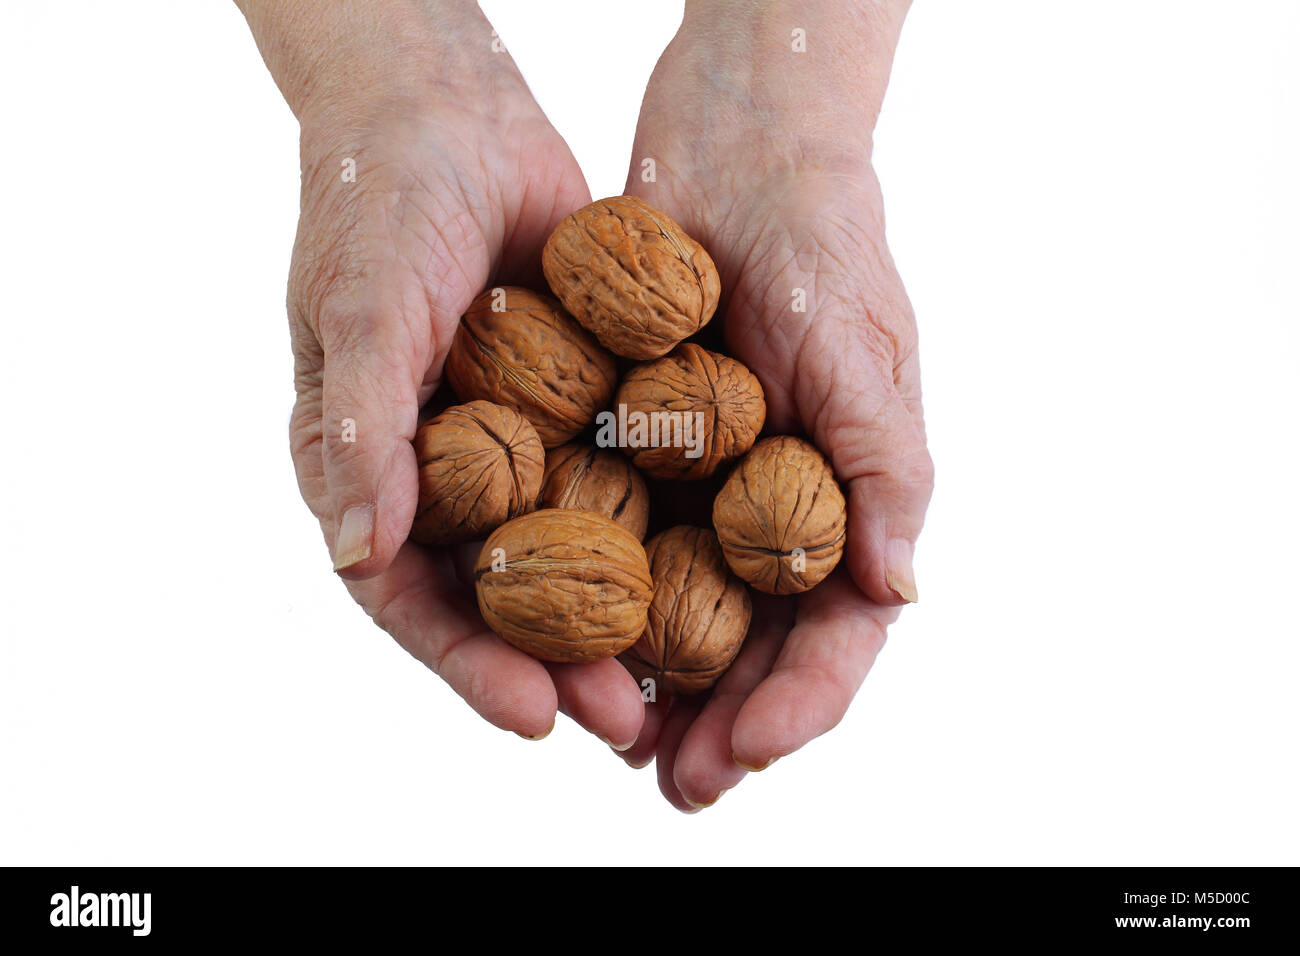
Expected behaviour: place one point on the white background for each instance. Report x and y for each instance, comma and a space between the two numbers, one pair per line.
1095, 208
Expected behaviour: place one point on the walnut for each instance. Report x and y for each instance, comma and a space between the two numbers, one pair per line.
630, 274
699, 614
780, 517
520, 349
593, 479
564, 585
479, 465
713, 401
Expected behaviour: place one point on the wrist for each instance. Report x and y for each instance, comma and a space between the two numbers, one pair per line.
327, 56
793, 58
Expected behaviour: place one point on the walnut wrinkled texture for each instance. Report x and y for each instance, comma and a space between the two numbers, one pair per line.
674, 388
699, 614
563, 585
479, 465
781, 517
593, 479
629, 274
533, 357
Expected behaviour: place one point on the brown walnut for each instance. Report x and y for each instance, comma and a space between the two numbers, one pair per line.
531, 356
690, 388
593, 479
781, 516
630, 274
564, 585
699, 614
479, 465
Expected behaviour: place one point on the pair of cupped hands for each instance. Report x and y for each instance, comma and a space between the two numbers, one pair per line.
762, 155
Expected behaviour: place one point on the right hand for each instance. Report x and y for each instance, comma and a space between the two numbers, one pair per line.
459, 179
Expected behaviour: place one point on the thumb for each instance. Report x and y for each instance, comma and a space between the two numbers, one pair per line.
879, 449
869, 423
377, 349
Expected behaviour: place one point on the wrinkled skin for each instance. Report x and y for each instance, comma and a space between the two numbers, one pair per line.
804, 211
459, 180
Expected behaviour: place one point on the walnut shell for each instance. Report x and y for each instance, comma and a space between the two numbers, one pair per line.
593, 479
706, 389
479, 465
531, 356
699, 614
781, 516
630, 274
564, 585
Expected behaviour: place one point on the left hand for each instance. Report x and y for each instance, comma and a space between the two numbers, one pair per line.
780, 189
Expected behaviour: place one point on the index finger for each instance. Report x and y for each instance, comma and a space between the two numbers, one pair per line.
837, 634
420, 602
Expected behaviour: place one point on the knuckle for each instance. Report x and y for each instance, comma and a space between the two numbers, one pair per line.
922, 470
308, 373
343, 326
329, 257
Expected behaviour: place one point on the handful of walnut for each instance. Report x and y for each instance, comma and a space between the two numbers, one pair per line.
563, 574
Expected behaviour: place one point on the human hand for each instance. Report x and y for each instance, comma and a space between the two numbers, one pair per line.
763, 154
428, 170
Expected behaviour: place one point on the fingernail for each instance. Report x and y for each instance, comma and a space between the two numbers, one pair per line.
705, 806
898, 569
639, 766
619, 748
693, 809
752, 769
355, 533
541, 736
